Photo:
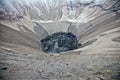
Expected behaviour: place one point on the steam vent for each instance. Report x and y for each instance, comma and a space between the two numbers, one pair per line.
59, 42
59, 39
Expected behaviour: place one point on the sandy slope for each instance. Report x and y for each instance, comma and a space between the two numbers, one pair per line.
98, 59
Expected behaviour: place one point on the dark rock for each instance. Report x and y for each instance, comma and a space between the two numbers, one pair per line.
4, 68
116, 77
59, 42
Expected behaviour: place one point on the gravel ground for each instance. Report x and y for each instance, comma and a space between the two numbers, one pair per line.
77, 66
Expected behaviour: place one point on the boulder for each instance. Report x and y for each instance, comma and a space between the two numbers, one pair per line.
59, 42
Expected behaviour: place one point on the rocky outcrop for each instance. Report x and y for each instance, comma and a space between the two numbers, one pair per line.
59, 42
